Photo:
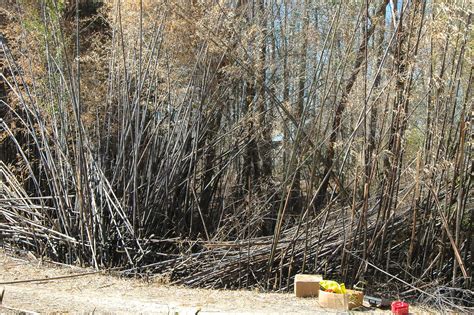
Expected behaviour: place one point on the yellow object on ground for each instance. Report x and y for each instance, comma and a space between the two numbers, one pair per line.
332, 286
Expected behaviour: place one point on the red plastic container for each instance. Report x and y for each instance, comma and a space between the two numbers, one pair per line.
400, 308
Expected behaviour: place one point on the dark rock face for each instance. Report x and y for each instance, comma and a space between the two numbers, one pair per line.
86, 7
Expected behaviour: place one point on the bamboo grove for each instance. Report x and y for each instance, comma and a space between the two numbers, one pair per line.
233, 143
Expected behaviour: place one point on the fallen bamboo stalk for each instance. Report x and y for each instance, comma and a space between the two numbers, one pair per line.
55, 278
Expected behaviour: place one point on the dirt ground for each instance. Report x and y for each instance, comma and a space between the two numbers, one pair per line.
98, 293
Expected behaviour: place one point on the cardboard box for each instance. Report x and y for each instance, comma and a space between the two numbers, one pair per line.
337, 301
356, 298
307, 285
